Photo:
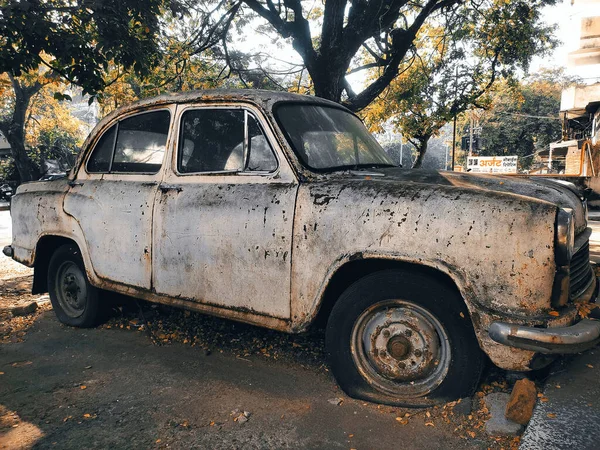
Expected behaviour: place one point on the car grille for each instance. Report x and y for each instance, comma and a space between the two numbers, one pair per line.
581, 271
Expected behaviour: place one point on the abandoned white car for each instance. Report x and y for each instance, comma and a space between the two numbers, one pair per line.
282, 211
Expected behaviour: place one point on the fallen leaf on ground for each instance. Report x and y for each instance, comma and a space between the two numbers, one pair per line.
429, 424
551, 416
83, 386
21, 363
554, 313
590, 366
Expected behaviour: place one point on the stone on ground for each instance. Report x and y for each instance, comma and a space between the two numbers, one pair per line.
498, 424
522, 401
24, 310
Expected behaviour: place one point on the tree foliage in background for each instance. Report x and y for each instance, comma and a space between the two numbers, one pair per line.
456, 62
51, 129
524, 116
74, 41
332, 38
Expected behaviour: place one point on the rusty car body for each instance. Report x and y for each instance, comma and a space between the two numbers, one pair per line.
279, 247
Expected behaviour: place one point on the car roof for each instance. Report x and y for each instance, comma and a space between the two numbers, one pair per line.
266, 99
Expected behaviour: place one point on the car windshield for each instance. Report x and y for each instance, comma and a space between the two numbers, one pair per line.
329, 138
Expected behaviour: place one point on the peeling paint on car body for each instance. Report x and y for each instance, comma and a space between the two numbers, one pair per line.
263, 248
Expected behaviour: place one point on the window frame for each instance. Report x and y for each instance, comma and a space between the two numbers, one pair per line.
244, 172
116, 123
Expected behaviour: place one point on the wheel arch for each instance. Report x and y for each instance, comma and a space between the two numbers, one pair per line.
45, 247
355, 268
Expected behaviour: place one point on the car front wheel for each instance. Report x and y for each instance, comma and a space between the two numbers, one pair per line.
74, 299
403, 339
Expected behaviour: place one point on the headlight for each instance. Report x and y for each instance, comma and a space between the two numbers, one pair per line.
565, 236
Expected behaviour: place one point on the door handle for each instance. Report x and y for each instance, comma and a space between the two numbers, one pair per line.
170, 187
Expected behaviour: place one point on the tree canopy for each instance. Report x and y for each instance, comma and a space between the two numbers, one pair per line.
454, 65
78, 40
43, 41
524, 116
334, 39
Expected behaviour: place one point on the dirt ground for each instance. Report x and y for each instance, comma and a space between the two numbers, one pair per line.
154, 377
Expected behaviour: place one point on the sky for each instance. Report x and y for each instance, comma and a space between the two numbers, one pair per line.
568, 19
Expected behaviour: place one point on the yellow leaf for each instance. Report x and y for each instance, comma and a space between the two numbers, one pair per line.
158, 441
554, 313
87, 416
429, 424
83, 386
551, 416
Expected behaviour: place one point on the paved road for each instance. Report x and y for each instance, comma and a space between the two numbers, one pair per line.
5, 229
138, 395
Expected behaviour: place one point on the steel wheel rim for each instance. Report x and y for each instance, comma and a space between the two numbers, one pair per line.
71, 289
400, 348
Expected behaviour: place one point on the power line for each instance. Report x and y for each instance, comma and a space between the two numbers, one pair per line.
530, 116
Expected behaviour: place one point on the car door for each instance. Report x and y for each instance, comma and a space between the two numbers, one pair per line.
112, 197
224, 215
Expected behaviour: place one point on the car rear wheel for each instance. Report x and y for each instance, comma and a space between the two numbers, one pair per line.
74, 299
403, 339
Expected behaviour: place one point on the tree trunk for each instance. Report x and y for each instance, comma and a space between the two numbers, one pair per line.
421, 150
14, 130
28, 170
328, 77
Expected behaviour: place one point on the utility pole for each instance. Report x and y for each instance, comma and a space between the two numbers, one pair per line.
401, 139
454, 129
471, 135
446, 163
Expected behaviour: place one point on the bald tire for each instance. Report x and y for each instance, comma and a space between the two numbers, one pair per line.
440, 299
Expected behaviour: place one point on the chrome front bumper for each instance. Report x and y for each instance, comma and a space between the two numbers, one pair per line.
575, 338
572, 339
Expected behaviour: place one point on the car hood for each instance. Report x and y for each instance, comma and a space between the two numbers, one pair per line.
563, 195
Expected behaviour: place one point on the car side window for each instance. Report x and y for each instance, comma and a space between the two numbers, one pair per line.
139, 146
213, 140
102, 155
